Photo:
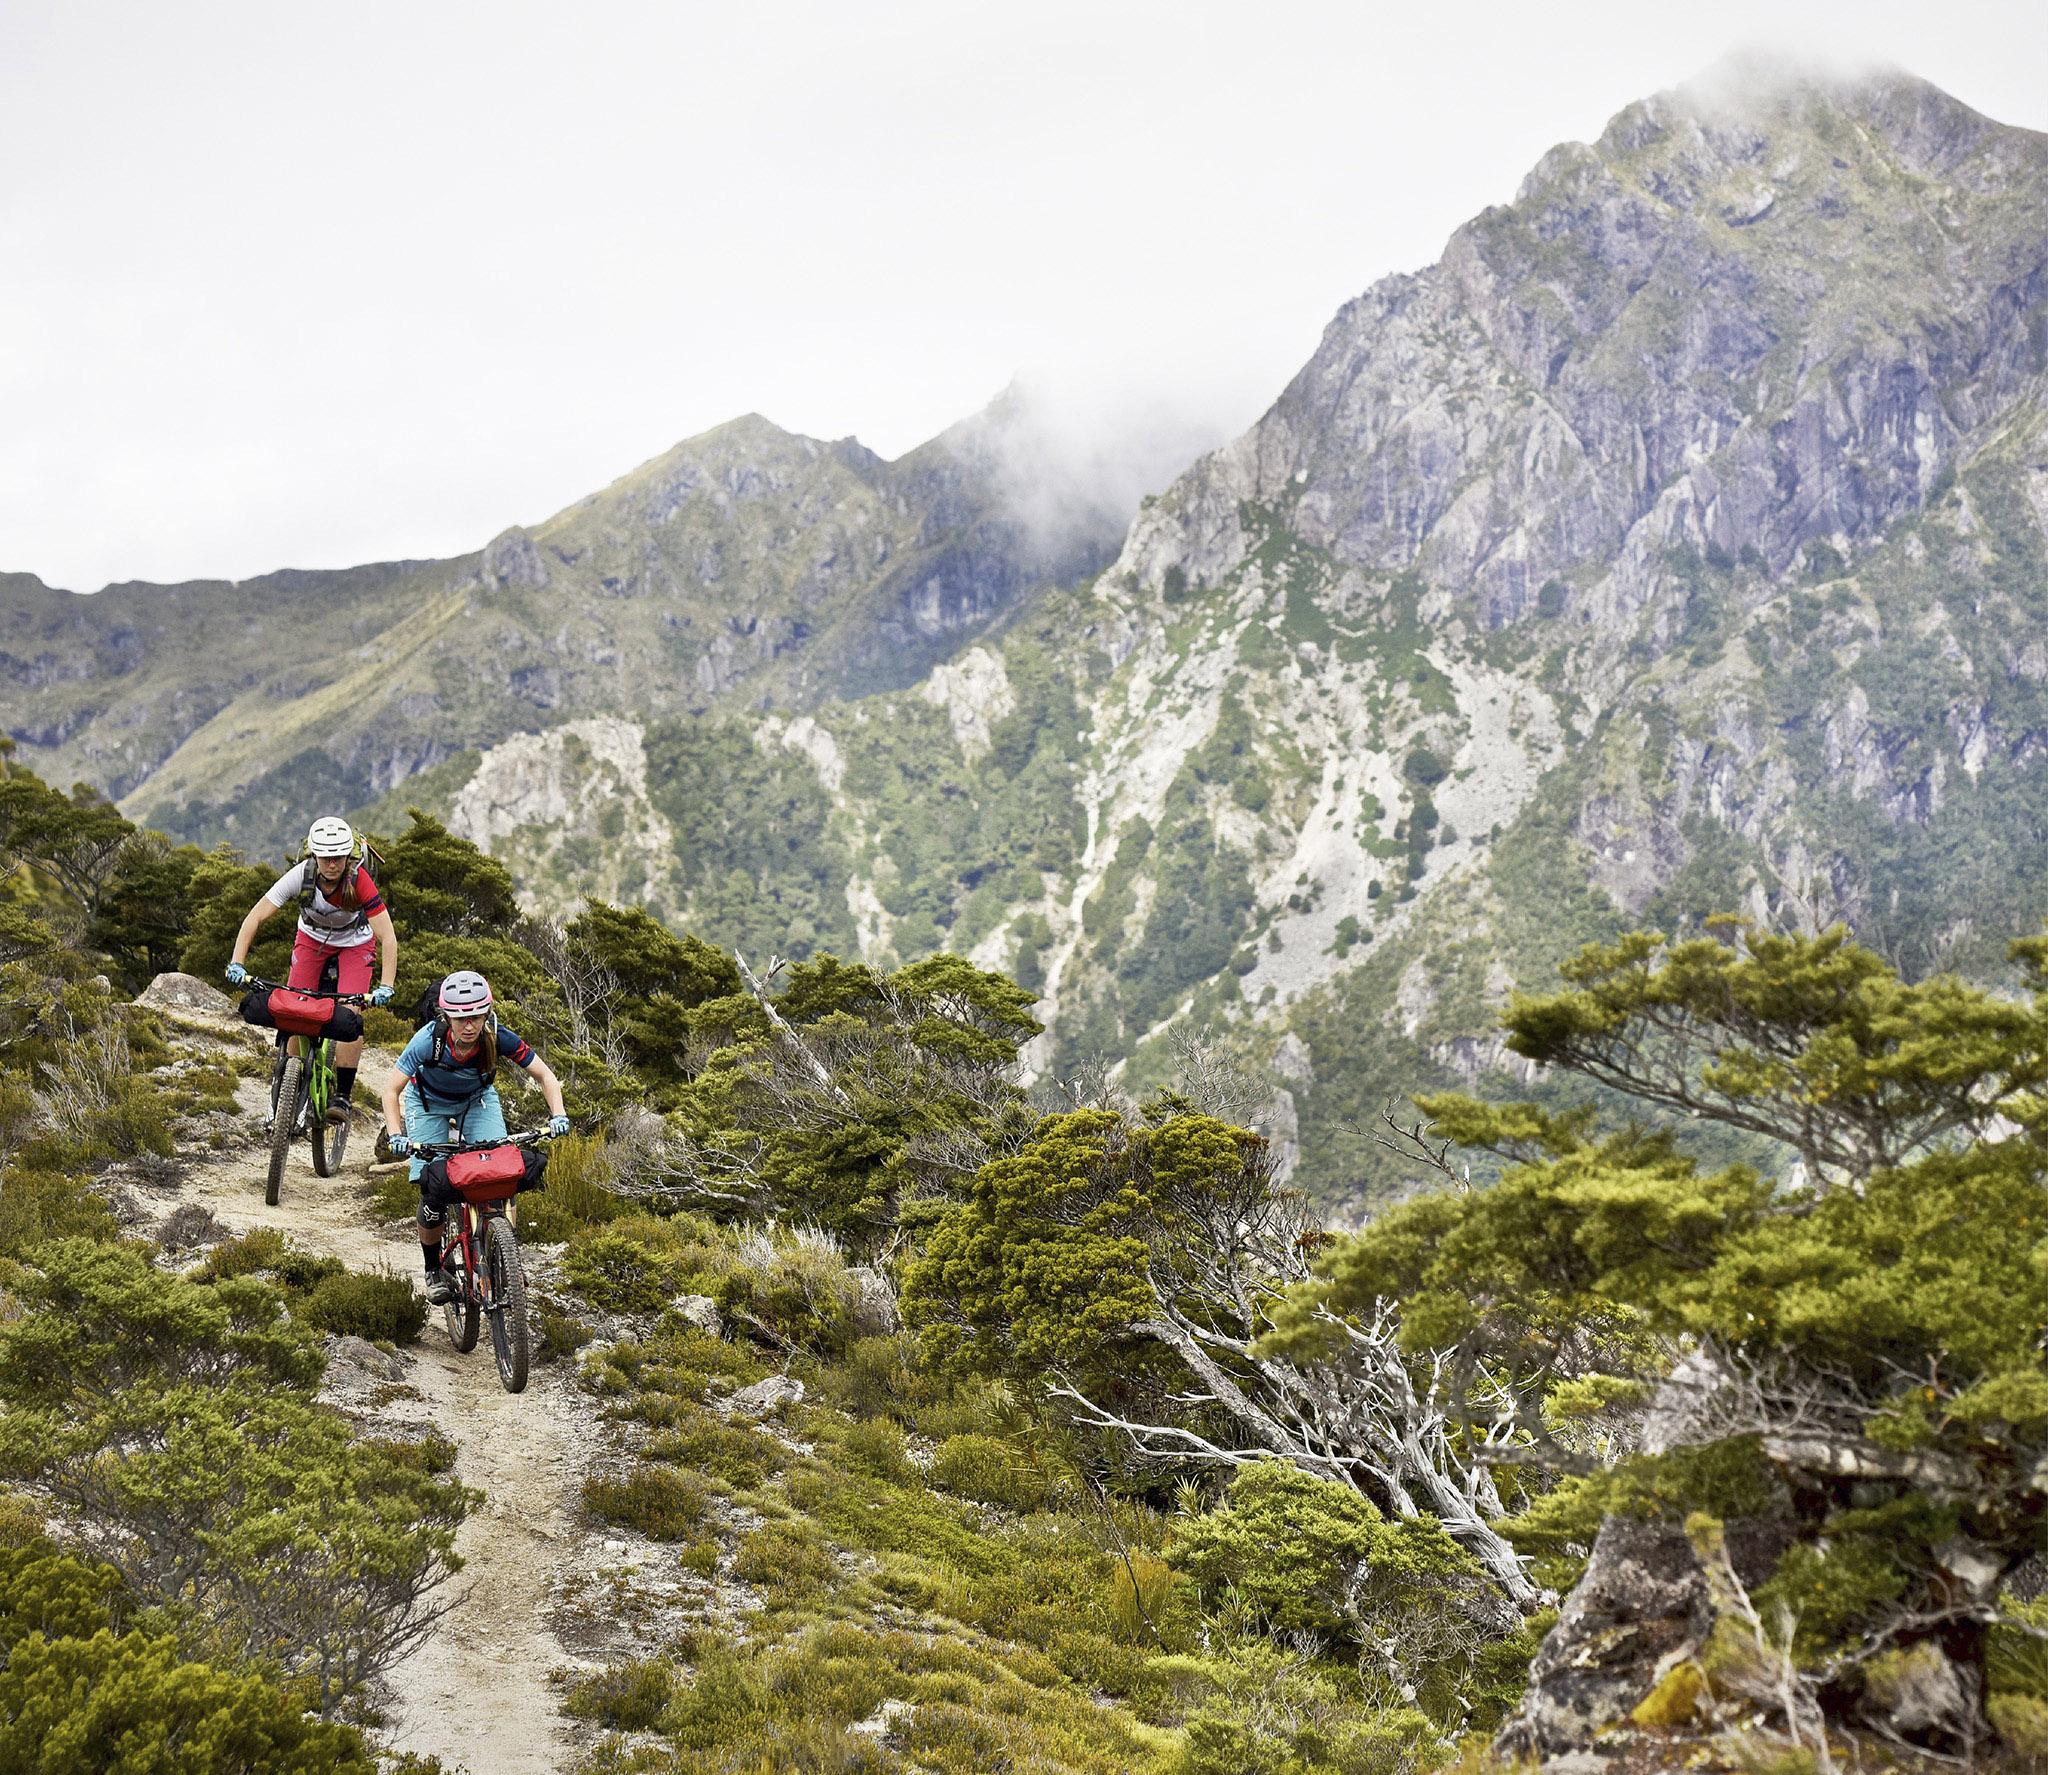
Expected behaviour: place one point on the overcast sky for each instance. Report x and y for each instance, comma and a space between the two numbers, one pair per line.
303, 286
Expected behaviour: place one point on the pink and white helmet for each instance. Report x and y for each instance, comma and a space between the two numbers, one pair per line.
465, 994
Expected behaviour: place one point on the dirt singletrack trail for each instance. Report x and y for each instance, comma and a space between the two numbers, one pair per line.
477, 1693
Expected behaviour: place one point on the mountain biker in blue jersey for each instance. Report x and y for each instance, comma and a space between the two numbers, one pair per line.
444, 1089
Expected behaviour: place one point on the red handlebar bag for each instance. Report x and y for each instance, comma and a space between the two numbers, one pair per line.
488, 1176
302, 1013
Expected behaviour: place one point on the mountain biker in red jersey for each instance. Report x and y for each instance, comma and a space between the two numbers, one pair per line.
341, 916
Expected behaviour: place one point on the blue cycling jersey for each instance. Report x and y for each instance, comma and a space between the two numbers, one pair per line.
447, 1079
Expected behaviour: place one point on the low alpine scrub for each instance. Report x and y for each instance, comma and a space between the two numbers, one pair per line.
379, 1306
657, 1502
178, 1418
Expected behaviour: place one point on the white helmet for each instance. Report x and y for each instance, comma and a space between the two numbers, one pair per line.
331, 838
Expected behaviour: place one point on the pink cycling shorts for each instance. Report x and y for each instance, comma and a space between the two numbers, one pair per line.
309, 956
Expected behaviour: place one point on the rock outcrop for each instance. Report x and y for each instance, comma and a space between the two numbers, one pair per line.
1648, 1605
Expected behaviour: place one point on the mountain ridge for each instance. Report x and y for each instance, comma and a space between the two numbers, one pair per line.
747, 564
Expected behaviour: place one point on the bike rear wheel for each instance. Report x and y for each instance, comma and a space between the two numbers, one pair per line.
329, 1138
460, 1310
508, 1301
287, 1100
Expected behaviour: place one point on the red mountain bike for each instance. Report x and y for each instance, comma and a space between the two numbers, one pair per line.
482, 1257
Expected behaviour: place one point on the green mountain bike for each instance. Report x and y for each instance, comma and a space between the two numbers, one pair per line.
302, 1090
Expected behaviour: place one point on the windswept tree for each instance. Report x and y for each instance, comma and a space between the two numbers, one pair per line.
1853, 1347
854, 1100
1131, 1262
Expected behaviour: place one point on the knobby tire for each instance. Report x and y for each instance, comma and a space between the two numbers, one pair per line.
328, 1141
459, 1311
508, 1300
285, 1104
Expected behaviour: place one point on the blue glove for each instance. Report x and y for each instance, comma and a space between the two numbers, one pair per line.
236, 973
558, 1127
400, 1146
381, 997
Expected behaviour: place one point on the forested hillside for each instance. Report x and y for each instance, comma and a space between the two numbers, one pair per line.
934, 1424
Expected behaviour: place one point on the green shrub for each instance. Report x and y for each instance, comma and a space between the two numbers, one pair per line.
395, 1195
630, 1697
36, 1206
634, 1266
788, 1560
878, 1377
861, 1512
684, 1350
301, 1270
662, 1505
954, 1740
992, 1472
727, 1705
384, 1028
131, 1706
43, 1590
740, 1458
123, 1117
2016, 1663
380, 1307
1308, 1555
795, 1284
1140, 1597
575, 1200
431, 1453
560, 1336
1098, 1663
876, 1446
2022, 1722
21, 1523
260, 1248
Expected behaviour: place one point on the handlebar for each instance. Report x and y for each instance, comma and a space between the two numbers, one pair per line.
441, 1149
345, 998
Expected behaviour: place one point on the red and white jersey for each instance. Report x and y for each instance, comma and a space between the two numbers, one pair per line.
342, 926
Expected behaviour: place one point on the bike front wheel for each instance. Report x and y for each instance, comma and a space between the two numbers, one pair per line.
459, 1312
508, 1302
287, 1101
329, 1138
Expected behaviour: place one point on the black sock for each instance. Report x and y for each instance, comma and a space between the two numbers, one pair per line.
344, 1083
430, 1255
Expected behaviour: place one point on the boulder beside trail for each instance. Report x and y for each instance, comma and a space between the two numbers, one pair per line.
187, 993
701, 1311
767, 1396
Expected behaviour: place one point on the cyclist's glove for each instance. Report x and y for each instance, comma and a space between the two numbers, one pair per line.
558, 1127
381, 997
400, 1146
236, 973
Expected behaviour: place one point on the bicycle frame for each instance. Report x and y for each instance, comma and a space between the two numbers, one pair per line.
304, 1108
483, 1261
